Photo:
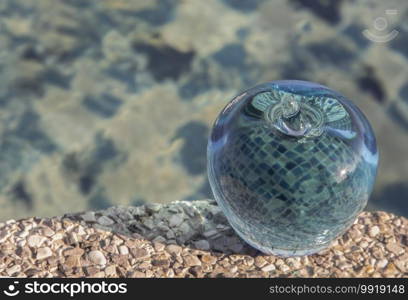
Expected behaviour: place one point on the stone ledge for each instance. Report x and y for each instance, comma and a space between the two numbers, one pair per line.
187, 239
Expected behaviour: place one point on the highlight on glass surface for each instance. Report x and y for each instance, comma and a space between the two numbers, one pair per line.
291, 164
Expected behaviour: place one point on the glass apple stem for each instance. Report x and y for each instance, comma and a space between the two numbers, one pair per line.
294, 118
290, 107
288, 118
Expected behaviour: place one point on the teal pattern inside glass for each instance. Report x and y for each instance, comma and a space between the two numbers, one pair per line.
291, 163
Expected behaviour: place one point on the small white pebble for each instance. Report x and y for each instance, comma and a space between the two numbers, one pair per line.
374, 231
382, 263
35, 241
123, 250
44, 252
97, 257
48, 232
269, 268
363, 244
58, 236
23, 234
233, 269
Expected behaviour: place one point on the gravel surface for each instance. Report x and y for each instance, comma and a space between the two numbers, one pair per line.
187, 239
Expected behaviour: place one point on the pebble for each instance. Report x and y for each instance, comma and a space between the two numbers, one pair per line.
149, 224
260, 261
294, 262
23, 234
89, 216
153, 207
174, 249
363, 244
394, 248
170, 234
13, 270
236, 247
139, 252
91, 270
185, 230
3, 236
401, 264
81, 231
58, 236
202, 245
35, 241
382, 263
249, 261
269, 268
159, 246
138, 274
170, 273
43, 253
208, 259
123, 250
97, 257
284, 268
160, 262
99, 274
175, 220
73, 252
72, 261
110, 270
390, 270
210, 233
191, 260
138, 211
159, 239
144, 265
48, 232
105, 221
374, 230
31, 272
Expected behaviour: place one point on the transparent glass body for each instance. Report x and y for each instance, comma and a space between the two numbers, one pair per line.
291, 164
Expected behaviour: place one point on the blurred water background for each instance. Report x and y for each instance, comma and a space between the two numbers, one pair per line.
110, 102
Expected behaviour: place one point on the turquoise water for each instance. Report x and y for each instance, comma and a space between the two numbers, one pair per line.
111, 102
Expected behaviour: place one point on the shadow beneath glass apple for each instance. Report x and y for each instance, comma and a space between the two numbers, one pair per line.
197, 225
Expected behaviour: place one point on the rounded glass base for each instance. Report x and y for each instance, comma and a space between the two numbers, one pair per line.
283, 252
266, 248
